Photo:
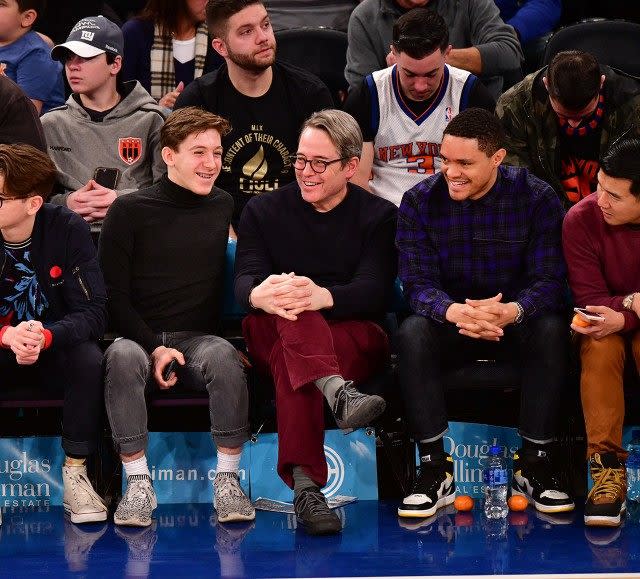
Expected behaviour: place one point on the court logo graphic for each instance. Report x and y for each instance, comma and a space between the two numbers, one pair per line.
335, 466
130, 149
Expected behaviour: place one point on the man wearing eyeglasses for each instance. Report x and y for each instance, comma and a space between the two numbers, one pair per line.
52, 313
315, 265
560, 119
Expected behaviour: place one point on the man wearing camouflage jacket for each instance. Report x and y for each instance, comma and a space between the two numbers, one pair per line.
559, 119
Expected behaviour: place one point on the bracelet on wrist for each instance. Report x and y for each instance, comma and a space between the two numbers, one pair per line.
520, 315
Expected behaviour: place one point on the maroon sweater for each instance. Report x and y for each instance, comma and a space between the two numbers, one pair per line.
603, 260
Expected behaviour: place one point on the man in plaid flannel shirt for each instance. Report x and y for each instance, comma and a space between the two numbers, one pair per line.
482, 268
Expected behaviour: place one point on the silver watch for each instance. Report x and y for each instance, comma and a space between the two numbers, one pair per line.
627, 302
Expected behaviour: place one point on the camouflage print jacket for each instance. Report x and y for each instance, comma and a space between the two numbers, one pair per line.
532, 128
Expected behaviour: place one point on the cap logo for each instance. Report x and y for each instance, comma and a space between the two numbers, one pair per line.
86, 35
85, 23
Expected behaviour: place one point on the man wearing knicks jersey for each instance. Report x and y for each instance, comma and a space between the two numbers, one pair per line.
403, 110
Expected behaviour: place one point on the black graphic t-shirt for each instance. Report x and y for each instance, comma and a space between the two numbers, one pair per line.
21, 298
265, 129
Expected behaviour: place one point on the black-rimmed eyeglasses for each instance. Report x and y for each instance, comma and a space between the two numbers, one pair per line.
317, 165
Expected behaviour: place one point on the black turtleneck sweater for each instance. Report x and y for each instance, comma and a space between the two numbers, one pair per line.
162, 252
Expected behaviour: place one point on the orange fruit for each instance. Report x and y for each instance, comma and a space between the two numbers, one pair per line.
518, 503
580, 321
463, 503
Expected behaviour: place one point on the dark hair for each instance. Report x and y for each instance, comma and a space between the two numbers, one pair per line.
37, 5
167, 14
573, 78
187, 121
420, 32
479, 124
622, 161
27, 171
219, 12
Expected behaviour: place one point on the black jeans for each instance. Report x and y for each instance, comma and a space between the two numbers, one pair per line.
427, 348
77, 371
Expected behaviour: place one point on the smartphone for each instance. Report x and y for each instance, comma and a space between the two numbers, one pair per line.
107, 176
589, 316
170, 367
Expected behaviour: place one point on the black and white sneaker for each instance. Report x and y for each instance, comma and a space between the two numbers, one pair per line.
533, 477
434, 487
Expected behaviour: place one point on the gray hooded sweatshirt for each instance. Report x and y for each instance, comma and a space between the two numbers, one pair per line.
127, 139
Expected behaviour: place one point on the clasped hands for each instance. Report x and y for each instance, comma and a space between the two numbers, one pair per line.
25, 340
92, 201
288, 295
482, 319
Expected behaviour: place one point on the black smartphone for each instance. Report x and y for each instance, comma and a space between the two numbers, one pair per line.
170, 367
107, 176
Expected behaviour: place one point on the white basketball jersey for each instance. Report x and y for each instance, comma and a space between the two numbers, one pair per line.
406, 147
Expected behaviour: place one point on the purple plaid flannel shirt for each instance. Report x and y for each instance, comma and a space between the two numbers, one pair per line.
508, 241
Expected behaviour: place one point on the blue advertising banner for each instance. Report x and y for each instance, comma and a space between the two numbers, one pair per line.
351, 460
469, 444
31, 472
183, 465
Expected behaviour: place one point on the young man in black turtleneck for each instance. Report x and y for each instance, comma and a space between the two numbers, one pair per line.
162, 250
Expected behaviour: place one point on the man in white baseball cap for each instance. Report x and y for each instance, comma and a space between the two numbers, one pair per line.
105, 139
92, 36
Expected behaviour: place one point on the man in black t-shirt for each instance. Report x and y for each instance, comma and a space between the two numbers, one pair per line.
266, 101
403, 110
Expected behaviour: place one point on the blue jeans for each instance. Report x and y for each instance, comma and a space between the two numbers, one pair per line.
212, 364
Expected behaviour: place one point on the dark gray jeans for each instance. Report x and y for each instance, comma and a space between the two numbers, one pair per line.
212, 363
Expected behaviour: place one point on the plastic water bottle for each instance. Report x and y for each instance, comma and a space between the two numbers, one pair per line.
496, 480
633, 467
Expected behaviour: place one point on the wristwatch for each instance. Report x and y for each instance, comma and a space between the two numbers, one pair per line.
627, 302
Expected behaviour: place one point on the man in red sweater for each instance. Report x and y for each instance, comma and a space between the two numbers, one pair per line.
601, 237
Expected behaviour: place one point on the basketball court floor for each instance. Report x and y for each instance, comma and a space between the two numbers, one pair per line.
186, 541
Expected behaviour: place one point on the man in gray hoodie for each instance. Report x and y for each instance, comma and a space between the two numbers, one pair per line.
482, 43
105, 139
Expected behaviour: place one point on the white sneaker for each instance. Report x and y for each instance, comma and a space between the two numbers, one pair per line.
81, 502
137, 504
